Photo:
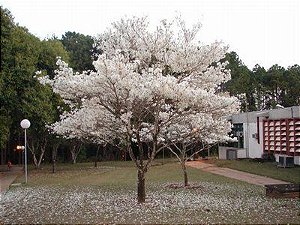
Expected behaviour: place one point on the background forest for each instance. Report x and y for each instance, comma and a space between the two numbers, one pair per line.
22, 96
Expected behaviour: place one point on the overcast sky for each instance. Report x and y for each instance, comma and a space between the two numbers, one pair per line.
262, 32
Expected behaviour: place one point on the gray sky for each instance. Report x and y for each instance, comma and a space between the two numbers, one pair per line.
262, 32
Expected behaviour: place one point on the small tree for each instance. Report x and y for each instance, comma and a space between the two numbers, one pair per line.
187, 138
144, 84
185, 151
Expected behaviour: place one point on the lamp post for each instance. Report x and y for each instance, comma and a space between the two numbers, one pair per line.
25, 124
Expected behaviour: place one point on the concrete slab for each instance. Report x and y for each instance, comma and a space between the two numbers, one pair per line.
235, 174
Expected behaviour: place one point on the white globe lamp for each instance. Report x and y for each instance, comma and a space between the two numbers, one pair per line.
25, 124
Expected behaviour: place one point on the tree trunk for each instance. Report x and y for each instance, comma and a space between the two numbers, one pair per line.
42, 152
38, 162
97, 156
75, 150
53, 165
35, 162
73, 156
141, 186
186, 181
41, 157
54, 156
39, 145
2, 157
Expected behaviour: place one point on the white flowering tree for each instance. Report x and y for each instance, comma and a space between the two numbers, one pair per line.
146, 83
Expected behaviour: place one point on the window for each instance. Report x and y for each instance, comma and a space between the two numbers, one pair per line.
238, 132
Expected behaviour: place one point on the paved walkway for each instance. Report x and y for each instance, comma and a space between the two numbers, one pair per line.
235, 174
8, 177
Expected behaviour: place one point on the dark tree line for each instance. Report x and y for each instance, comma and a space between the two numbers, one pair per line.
22, 96
260, 89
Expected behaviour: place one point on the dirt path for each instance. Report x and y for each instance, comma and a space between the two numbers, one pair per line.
8, 177
235, 174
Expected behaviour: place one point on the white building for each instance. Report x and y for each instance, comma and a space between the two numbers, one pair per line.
272, 132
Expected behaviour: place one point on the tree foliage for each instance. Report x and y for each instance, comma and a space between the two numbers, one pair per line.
21, 95
80, 48
50, 50
261, 89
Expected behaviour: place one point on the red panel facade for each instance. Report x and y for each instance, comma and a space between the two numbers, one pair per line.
282, 136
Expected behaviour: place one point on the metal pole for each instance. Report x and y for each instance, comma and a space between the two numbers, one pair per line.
25, 157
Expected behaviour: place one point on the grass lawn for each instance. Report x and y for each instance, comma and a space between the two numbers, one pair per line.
107, 194
268, 169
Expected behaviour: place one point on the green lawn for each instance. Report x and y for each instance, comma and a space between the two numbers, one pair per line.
116, 174
84, 194
268, 169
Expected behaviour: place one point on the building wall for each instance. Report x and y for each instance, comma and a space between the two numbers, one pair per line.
241, 152
222, 152
255, 149
250, 117
291, 112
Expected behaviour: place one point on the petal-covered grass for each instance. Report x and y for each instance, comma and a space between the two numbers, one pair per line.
107, 194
